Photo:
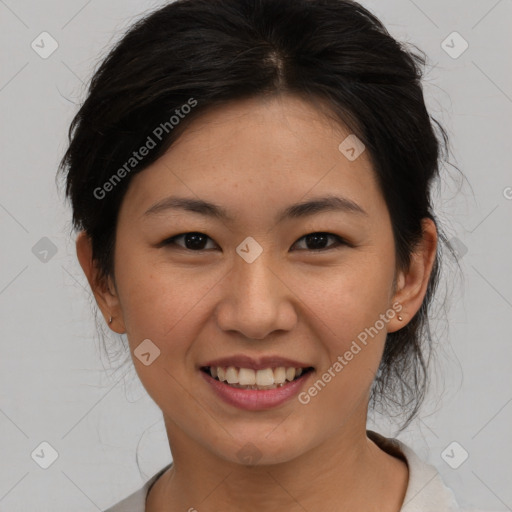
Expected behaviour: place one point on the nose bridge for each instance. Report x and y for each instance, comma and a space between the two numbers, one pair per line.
256, 281
255, 302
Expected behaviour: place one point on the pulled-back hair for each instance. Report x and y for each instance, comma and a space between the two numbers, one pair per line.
332, 53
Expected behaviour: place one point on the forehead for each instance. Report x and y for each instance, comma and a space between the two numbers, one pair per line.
258, 151
284, 120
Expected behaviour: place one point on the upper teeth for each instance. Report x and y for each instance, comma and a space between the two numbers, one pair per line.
249, 377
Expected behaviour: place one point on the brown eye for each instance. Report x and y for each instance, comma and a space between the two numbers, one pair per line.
319, 241
193, 241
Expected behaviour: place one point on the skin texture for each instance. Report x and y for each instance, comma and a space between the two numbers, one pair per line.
254, 158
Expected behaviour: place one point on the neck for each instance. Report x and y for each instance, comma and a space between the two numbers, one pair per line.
347, 472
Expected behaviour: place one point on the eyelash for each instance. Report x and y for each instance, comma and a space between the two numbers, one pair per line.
339, 241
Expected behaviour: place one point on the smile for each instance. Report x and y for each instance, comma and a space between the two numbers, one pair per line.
254, 390
247, 378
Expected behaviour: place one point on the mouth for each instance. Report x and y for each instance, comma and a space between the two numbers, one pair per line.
255, 383
256, 379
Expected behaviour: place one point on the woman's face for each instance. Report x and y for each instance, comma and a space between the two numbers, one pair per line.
253, 285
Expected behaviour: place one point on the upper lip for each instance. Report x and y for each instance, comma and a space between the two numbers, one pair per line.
260, 363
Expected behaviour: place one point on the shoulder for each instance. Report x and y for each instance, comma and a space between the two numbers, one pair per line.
136, 502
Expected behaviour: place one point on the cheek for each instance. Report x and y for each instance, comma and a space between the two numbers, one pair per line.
344, 312
347, 298
162, 302
163, 305
156, 297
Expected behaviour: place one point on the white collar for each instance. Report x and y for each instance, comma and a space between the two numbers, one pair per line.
426, 491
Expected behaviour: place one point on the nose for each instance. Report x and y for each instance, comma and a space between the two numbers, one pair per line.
256, 301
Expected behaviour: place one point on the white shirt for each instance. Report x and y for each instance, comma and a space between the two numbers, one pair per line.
426, 491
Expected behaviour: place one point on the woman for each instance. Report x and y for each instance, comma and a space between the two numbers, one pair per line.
251, 182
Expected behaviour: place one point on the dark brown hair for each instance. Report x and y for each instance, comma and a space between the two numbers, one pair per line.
219, 51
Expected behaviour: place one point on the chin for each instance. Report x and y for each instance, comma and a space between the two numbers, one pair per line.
263, 446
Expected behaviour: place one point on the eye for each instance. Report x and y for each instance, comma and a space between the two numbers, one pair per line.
317, 241
193, 241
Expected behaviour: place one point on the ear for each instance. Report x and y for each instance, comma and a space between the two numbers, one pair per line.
104, 289
411, 284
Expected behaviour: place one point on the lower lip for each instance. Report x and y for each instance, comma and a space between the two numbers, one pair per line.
254, 399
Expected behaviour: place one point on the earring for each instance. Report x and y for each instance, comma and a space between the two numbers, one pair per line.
400, 318
110, 320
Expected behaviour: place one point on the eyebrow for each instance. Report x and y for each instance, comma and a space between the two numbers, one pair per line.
295, 211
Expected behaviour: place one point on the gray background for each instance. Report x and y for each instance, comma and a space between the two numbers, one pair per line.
54, 386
